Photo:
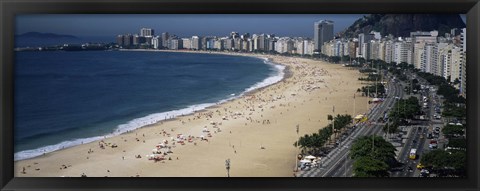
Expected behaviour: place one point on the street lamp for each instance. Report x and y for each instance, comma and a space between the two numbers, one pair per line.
227, 166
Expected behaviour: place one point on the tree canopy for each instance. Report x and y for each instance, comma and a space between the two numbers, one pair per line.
405, 109
452, 130
381, 150
366, 166
440, 161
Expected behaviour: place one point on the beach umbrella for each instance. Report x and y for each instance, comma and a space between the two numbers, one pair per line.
310, 157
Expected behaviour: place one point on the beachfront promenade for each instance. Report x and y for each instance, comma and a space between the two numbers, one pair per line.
337, 163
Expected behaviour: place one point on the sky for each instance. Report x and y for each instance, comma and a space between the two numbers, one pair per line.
184, 25
180, 25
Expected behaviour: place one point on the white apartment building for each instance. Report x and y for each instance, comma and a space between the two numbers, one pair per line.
187, 43
400, 52
156, 42
196, 43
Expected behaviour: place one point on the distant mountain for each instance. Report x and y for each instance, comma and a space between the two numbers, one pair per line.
400, 25
46, 35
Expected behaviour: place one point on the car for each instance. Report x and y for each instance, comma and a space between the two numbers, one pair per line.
420, 166
424, 173
433, 144
430, 136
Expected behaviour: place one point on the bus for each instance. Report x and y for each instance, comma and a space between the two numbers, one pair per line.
413, 154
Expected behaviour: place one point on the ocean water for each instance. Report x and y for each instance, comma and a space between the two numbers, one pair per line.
39, 42
62, 99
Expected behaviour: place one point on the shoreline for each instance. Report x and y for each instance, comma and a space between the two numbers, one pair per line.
247, 107
117, 131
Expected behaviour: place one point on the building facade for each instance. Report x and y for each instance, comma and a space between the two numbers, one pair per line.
323, 32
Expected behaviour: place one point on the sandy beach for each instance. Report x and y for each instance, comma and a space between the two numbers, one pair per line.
256, 132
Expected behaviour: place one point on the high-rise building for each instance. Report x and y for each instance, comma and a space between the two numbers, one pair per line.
165, 40
137, 40
381, 50
245, 45
119, 40
261, 40
463, 80
299, 46
271, 43
127, 40
210, 44
456, 65
147, 32
362, 40
374, 49
196, 43
218, 45
400, 52
438, 66
421, 37
175, 43
228, 43
429, 58
445, 60
284, 45
251, 45
204, 42
417, 55
238, 43
156, 42
186, 43
389, 46
352, 47
323, 32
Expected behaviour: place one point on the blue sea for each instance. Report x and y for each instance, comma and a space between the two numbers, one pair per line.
62, 99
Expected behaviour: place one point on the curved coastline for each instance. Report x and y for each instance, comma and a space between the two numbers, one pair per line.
257, 134
282, 72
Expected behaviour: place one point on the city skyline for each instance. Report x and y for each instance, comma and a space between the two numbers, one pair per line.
182, 25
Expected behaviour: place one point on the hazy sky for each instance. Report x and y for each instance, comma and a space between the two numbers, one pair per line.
182, 25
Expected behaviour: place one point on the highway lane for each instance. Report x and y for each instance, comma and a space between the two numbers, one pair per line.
345, 169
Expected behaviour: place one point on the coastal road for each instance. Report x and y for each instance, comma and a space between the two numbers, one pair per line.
337, 162
346, 170
419, 140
